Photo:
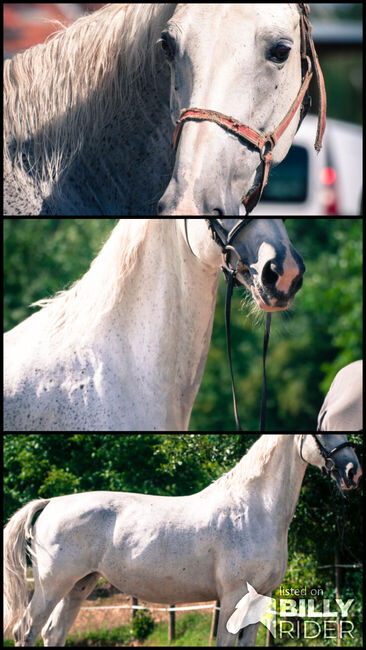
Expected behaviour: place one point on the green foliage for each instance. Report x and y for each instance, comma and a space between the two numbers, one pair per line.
142, 624
105, 637
43, 256
192, 630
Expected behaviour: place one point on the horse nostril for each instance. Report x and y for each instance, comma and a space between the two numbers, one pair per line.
269, 275
298, 283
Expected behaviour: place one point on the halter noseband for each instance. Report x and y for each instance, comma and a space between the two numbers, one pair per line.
330, 465
265, 142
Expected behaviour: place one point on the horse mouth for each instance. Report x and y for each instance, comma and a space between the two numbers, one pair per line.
261, 296
269, 303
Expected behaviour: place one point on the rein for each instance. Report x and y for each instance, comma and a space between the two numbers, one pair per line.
230, 280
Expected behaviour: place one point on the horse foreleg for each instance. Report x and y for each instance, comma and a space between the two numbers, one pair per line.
55, 631
248, 635
227, 607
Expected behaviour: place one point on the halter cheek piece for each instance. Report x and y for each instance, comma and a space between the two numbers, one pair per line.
225, 241
265, 142
330, 465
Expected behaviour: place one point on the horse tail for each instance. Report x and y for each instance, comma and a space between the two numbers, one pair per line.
17, 531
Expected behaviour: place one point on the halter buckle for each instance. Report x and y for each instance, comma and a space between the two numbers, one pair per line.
330, 466
266, 149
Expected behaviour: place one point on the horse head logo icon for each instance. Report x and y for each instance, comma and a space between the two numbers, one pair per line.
250, 609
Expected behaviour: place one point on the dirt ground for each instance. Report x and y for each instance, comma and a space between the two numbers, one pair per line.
94, 619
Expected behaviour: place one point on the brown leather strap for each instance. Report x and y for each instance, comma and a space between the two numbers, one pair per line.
257, 139
306, 29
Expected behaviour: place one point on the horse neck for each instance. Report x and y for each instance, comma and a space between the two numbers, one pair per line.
144, 148
278, 482
284, 476
143, 153
159, 331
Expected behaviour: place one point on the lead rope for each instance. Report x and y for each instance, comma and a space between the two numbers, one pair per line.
264, 379
230, 277
229, 292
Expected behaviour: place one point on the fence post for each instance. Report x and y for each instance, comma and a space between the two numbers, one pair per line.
214, 622
171, 634
134, 602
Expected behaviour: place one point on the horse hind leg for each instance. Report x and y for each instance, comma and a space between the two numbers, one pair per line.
44, 600
55, 631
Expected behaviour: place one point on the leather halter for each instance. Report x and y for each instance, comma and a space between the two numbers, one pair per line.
330, 465
265, 142
226, 242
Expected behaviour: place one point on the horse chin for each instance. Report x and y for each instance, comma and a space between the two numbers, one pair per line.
278, 305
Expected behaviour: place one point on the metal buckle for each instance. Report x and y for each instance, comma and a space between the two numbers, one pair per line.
266, 148
330, 465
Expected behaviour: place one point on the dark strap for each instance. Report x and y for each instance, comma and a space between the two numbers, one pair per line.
224, 240
230, 278
264, 379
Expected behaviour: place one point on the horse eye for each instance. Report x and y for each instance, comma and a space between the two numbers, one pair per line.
280, 53
167, 45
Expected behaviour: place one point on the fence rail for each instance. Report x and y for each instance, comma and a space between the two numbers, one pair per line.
215, 606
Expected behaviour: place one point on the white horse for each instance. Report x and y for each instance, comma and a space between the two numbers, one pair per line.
125, 348
342, 409
89, 115
202, 547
